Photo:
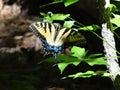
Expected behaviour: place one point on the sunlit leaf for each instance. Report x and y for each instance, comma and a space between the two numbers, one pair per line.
65, 61
114, 27
42, 13
78, 52
95, 55
96, 61
68, 24
62, 66
47, 17
86, 74
68, 59
113, 8
89, 28
106, 74
69, 2
60, 16
116, 20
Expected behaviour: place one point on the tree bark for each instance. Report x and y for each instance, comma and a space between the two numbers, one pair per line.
109, 42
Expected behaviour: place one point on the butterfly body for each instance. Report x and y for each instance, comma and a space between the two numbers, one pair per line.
52, 48
53, 37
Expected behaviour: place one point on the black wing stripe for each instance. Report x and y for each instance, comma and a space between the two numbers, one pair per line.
56, 35
34, 30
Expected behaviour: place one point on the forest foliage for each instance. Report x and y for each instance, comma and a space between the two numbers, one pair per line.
79, 54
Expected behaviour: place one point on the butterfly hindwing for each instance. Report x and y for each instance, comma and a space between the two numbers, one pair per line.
75, 38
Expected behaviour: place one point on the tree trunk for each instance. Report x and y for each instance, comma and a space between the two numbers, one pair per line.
109, 42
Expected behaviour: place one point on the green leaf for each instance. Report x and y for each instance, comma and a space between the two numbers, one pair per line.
106, 74
69, 2
58, 1
89, 74
62, 66
89, 28
113, 8
78, 52
86, 74
116, 20
95, 55
50, 59
60, 16
114, 27
68, 59
101, 72
116, 15
47, 17
65, 61
42, 13
96, 61
50, 16
68, 24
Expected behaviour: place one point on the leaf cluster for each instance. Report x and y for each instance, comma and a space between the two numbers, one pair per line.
78, 54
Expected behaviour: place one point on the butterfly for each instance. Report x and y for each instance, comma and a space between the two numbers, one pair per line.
54, 37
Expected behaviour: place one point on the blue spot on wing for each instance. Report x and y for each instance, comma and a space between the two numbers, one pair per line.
54, 49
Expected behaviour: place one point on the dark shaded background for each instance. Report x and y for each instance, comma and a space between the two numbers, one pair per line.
20, 70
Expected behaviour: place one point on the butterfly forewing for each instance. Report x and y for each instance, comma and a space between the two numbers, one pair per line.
47, 34
53, 33
58, 40
62, 35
